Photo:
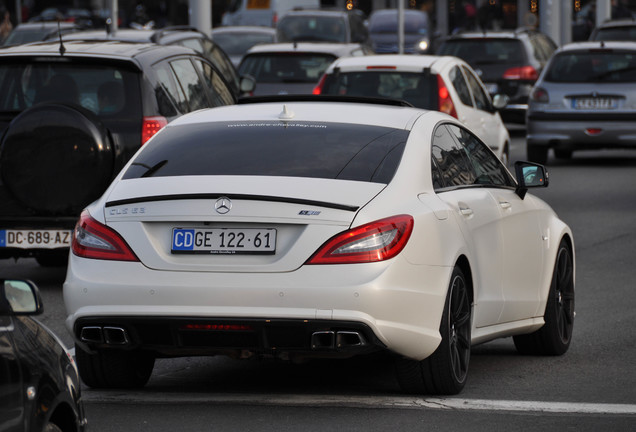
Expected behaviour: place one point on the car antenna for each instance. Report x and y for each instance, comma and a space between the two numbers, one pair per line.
59, 33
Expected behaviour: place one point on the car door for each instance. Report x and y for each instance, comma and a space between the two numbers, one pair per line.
11, 396
521, 240
478, 217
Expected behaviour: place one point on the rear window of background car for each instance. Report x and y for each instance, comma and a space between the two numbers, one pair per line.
485, 51
106, 90
593, 66
273, 148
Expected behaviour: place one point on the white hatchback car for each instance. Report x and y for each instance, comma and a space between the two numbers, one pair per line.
446, 84
304, 229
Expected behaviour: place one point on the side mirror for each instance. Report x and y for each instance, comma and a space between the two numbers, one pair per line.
499, 101
530, 175
247, 84
20, 297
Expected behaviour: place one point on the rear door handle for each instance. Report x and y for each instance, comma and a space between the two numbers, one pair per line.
505, 204
466, 211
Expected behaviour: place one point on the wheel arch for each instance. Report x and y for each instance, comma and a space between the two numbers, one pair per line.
464, 265
64, 417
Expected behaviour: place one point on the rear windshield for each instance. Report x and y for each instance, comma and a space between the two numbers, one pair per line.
414, 23
593, 66
286, 67
484, 50
311, 29
238, 43
107, 90
273, 148
420, 89
616, 34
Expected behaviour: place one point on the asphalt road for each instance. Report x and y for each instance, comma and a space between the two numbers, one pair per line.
591, 388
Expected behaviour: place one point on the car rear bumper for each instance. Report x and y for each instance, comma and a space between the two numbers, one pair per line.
581, 133
386, 306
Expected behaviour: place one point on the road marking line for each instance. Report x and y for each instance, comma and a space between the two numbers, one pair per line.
95, 396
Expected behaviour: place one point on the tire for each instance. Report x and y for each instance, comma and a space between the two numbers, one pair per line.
113, 368
51, 427
563, 154
537, 154
56, 158
554, 337
446, 370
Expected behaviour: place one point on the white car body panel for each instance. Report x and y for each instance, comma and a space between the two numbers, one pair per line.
400, 299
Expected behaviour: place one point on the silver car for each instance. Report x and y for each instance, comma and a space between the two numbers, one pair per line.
585, 99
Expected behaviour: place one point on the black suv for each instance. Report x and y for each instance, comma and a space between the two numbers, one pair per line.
322, 26
508, 62
178, 35
71, 116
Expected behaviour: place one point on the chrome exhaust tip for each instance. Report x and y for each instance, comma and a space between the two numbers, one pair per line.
323, 340
346, 339
115, 336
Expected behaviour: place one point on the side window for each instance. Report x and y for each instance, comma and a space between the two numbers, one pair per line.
221, 95
170, 97
460, 86
190, 84
488, 169
451, 160
482, 100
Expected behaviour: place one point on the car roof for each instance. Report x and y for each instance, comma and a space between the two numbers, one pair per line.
49, 25
244, 29
411, 63
314, 112
313, 12
625, 45
487, 34
310, 47
162, 36
626, 22
116, 50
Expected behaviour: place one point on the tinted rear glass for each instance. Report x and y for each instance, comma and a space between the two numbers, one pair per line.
311, 29
107, 90
238, 43
417, 88
616, 34
593, 66
414, 23
286, 67
485, 50
273, 148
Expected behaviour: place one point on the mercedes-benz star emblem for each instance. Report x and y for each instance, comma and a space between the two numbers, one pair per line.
223, 205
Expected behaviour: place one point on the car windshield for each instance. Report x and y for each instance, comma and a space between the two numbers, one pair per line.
286, 67
593, 66
103, 89
238, 43
414, 23
616, 34
479, 51
419, 89
311, 29
274, 148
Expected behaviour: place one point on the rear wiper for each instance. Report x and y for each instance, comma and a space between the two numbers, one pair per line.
151, 170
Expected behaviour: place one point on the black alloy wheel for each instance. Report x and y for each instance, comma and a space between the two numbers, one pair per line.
556, 334
446, 370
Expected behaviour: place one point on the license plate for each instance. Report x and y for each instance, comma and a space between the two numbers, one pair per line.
492, 88
595, 103
35, 239
223, 241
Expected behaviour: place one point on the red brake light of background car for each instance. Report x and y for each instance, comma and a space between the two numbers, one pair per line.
521, 73
150, 126
445, 103
540, 95
92, 239
320, 85
372, 242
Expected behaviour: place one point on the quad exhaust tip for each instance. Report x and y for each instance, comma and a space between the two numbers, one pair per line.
336, 340
108, 335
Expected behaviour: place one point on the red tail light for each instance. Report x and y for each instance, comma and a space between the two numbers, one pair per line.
527, 73
320, 85
151, 126
540, 95
375, 241
445, 103
92, 239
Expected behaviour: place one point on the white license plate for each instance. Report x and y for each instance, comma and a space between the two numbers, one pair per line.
35, 239
492, 88
223, 240
595, 103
